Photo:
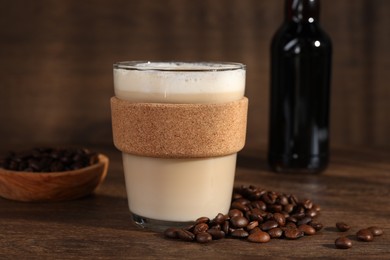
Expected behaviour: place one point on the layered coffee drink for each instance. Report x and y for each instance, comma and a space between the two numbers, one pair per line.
171, 189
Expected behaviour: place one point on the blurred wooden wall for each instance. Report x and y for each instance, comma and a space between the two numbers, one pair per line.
56, 62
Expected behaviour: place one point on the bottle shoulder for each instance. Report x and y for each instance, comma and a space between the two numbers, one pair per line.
308, 36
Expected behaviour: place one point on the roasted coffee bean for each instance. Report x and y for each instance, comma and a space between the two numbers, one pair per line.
293, 233
307, 229
268, 225
290, 225
235, 213
365, 235
243, 201
171, 232
269, 198
216, 234
256, 229
291, 219
307, 204
311, 213
239, 233
293, 199
259, 205
376, 231
219, 219
316, 225
298, 216
275, 232
288, 208
343, 243
236, 195
342, 226
275, 208
203, 237
304, 220
280, 219
239, 222
282, 200
239, 206
259, 237
190, 227
225, 227
200, 228
252, 225
202, 220
185, 235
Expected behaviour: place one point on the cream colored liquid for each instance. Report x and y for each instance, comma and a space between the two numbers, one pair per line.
179, 189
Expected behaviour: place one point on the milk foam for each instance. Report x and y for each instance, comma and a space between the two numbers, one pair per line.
186, 78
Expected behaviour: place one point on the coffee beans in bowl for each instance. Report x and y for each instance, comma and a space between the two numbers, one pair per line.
51, 174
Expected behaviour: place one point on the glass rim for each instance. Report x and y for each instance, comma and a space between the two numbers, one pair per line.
174, 66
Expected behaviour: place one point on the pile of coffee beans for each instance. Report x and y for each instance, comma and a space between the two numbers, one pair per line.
256, 215
48, 160
365, 235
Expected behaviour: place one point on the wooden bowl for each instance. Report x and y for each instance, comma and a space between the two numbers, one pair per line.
53, 186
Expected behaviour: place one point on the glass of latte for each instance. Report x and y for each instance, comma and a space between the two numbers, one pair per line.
179, 126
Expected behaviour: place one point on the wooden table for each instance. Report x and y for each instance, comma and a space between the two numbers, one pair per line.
355, 189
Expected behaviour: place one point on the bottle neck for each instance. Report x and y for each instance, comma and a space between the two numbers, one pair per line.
302, 10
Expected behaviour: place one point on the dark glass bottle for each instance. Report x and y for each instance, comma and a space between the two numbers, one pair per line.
300, 91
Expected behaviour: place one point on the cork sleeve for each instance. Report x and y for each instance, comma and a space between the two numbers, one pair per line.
179, 130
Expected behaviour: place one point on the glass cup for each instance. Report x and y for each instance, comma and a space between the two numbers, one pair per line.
169, 192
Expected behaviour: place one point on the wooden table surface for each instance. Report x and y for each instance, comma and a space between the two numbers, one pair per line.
355, 189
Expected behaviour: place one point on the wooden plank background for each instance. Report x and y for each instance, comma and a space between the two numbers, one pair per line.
56, 62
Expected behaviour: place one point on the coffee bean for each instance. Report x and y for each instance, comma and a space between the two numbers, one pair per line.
239, 233
275, 232
311, 213
342, 226
288, 208
239, 206
304, 220
280, 219
203, 237
256, 229
259, 205
343, 243
202, 220
225, 227
269, 225
185, 235
252, 225
365, 235
306, 229
307, 204
171, 232
259, 237
269, 198
235, 213
216, 234
200, 228
219, 219
376, 231
293, 233
282, 200
316, 225
290, 225
239, 222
